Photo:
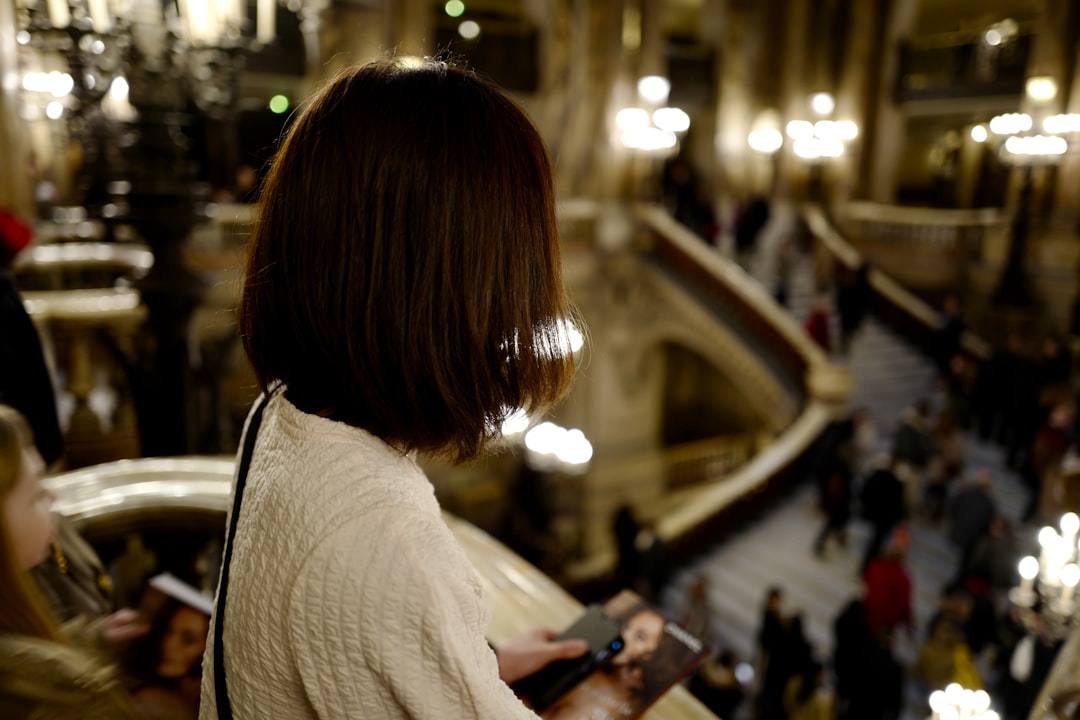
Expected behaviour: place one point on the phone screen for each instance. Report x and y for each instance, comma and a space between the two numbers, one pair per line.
555, 680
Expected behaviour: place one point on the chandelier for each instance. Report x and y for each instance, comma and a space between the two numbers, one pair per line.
126, 80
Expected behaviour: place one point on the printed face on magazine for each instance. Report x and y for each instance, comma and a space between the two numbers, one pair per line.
641, 636
183, 643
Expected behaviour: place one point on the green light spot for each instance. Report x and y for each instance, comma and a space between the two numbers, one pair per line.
279, 104
454, 8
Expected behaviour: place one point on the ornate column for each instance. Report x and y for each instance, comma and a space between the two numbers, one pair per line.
16, 190
886, 143
734, 109
578, 87
1050, 57
652, 56
162, 202
794, 90
853, 94
766, 53
1065, 201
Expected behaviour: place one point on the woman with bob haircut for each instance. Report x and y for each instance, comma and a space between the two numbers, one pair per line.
402, 295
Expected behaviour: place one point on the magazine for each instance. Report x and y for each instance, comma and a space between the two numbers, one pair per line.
654, 655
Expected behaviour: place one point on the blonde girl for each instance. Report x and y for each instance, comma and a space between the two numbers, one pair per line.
43, 674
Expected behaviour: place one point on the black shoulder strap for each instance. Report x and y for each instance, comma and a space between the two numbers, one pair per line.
224, 708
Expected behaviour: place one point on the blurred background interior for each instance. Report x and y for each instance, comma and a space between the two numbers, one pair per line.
785, 223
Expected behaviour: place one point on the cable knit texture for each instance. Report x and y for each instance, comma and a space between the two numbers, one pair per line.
349, 597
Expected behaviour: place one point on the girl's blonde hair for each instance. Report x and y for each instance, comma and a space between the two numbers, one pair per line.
24, 612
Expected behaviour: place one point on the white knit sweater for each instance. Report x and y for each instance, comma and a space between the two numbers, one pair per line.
348, 596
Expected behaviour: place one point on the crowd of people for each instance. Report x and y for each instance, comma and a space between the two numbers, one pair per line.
974, 637
921, 477
352, 393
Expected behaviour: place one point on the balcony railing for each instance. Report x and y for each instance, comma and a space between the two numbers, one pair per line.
955, 66
112, 501
926, 249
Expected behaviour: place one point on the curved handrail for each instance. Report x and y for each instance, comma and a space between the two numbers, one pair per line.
101, 305
864, 211
678, 243
51, 256
519, 595
828, 387
894, 295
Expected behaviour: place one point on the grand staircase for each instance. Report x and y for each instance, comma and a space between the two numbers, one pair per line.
889, 374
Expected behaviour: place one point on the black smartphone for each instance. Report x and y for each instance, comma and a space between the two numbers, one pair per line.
603, 634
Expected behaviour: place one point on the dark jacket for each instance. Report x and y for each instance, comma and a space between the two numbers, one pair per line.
970, 515
882, 498
24, 376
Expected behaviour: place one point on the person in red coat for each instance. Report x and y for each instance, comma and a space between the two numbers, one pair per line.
888, 590
817, 323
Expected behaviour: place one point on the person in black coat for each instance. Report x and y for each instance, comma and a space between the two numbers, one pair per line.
852, 301
790, 657
948, 334
882, 501
25, 383
835, 499
971, 512
752, 219
625, 527
869, 680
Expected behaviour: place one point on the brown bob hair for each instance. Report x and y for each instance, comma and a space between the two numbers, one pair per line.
404, 273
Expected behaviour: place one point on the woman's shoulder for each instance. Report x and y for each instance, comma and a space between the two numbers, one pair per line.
316, 444
325, 472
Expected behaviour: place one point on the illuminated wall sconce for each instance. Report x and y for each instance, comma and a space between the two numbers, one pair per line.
654, 89
765, 136
1010, 123
1041, 88
651, 132
1022, 149
821, 139
554, 448
958, 703
1001, 33
1062, 124
822, 104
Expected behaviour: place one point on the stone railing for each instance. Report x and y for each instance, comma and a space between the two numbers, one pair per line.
923, 248
116, 500
89, 334
81, 265
78, 294
961, 65
822, 388
691, 464
891, 299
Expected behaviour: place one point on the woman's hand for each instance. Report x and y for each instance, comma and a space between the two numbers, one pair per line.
530, 652
123, 626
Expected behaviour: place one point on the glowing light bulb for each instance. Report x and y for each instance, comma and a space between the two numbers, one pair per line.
470, 29
822, 103
654, 88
